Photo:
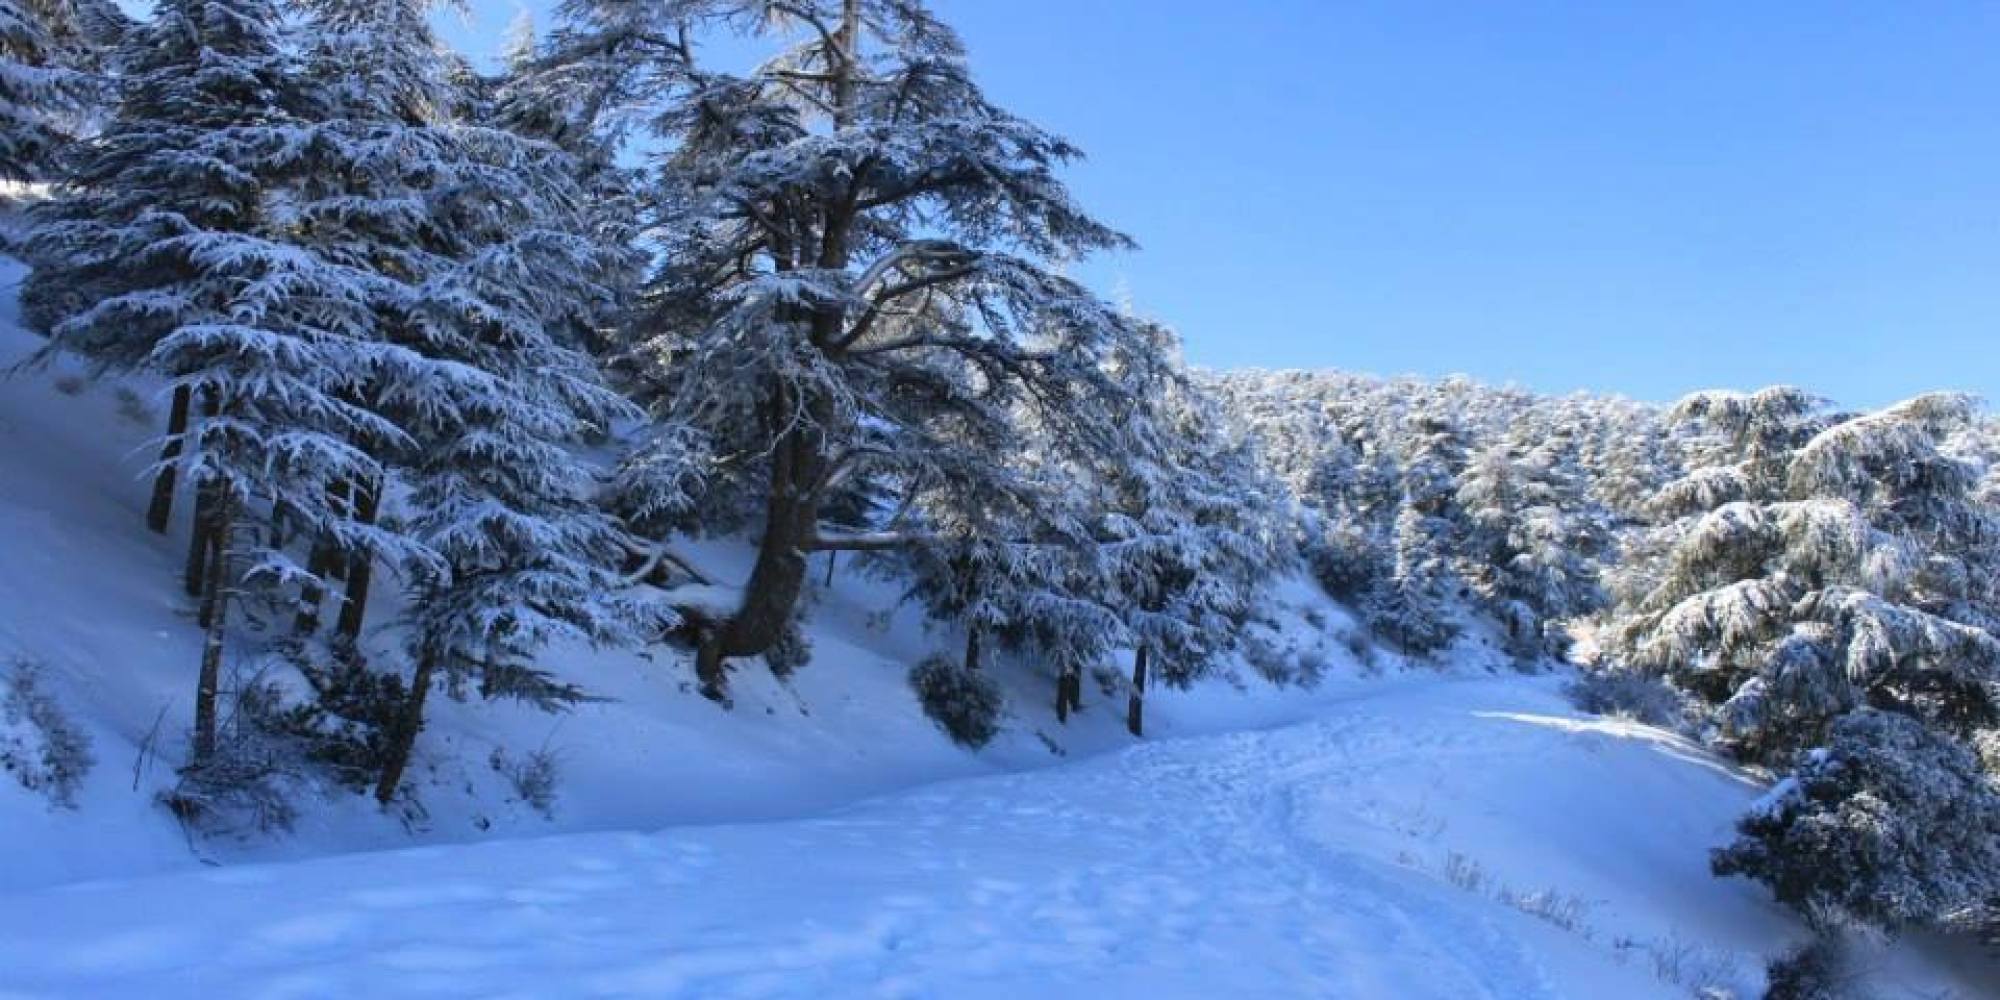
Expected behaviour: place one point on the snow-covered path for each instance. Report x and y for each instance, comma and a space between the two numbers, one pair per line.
1303, 861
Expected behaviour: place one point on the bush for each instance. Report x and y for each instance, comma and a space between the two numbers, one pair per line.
1627, 695
533, 778
1819, 969
792, 651
1347, 564
273, 745
345, 726
248, 783
1891, 824
964, 703
39, 745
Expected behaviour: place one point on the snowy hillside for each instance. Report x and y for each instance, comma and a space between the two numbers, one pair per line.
1419, 834
88, 599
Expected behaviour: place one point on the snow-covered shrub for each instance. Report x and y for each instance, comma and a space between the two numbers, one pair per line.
792, 651
249, 782
344, 726
1360, 648
1267, 658
1890, 823
1819, 969
964, 703
1561, 909
1347, 564
1627, 695
533, 778
39, 745
1466, 873
1706, 973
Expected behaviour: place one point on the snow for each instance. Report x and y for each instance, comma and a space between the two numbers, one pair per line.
1244, 864
1411, 833
1303, 860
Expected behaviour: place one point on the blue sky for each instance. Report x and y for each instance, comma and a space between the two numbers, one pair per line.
1635, 198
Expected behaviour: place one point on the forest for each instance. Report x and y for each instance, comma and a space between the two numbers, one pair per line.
458, 362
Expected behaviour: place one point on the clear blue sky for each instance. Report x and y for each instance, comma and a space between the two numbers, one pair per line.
1642, 198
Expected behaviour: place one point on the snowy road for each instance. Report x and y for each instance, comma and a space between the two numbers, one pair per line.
1301, 861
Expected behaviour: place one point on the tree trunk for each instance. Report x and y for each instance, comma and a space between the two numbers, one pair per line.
409, 722
200, 542
1135, 710
1069, 692
776, 581
320, 564
313, 594
214, 618
768, 599
972, 648
158, 512
360, 565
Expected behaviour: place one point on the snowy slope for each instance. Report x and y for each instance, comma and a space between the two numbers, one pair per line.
1403, 835
89, 595
1307, 860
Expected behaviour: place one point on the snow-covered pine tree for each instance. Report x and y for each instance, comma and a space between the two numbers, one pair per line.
861, 279
532, 97
1190, 545
1412, 605
1889, 821
1848, 567
484, 282
1533, 541
52, 56
168, 254
1034, 585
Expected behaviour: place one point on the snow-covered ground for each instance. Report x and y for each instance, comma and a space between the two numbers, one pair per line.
1450, 840
1393, 833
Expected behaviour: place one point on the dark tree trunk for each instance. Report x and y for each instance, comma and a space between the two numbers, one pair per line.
1135, 710
972, 648
768, 599
831, 558
162, 507
1069, 692
360, 565
313, 594
201, 540
214, 619
320, 565
403, 739
772, 593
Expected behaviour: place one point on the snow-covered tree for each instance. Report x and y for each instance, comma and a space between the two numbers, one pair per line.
1888, 822
52, 55
481, 284
860, 273
1191, 546
167, 254
1852, 568
1411, 605
1533, 543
